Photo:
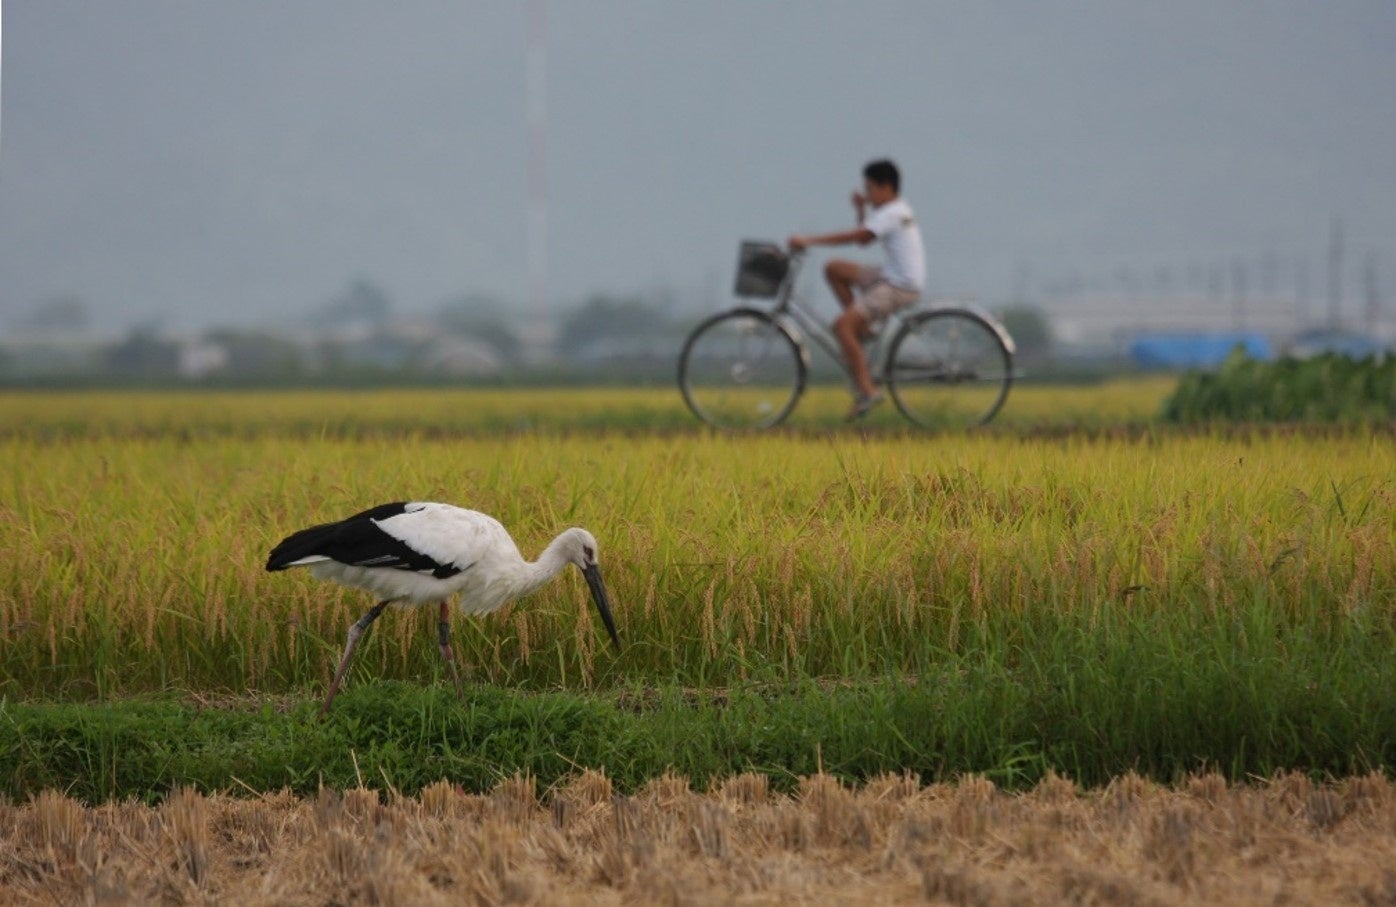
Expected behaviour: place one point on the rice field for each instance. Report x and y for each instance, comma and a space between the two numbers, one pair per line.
453, 413
892, 840
1054, 549
136, 530
1075, 592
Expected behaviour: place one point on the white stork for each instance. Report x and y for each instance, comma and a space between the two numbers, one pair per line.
418, 553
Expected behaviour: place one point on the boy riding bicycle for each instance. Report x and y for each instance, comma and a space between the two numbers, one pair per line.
869, 293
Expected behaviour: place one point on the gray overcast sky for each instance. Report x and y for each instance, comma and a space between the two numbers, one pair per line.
237, 162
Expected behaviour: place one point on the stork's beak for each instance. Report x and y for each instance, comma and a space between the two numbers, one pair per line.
603, 601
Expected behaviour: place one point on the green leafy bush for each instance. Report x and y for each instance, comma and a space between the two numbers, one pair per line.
1326, 388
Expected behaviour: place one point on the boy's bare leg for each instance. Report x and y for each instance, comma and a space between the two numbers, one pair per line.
851, 326
842, 276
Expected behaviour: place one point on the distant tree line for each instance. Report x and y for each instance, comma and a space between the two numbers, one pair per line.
357, 337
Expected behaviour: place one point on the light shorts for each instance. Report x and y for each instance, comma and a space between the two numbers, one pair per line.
876, 298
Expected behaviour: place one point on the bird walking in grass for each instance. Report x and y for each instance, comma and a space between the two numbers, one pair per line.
421, 553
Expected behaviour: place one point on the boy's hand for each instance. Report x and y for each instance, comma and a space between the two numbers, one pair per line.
858, 199
797, 243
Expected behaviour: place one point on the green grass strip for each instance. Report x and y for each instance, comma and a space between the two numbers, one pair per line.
1090, 706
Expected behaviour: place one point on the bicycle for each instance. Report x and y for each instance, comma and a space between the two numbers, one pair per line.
745, 368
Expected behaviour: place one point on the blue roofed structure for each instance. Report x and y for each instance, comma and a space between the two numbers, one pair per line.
1195, 350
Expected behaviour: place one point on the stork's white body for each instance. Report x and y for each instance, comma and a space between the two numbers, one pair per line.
493, 571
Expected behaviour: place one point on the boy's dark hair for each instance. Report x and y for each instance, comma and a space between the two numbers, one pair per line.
884, 173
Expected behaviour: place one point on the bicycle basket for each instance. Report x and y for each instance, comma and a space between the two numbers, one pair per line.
761, 266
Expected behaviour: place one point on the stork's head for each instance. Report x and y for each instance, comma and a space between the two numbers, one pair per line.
579, 547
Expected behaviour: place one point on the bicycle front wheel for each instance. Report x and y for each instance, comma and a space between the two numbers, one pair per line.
949, 369
741, 370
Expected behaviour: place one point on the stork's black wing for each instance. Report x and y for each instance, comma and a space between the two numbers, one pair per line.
359, 542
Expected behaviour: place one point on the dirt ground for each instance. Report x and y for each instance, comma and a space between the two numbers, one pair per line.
891, 841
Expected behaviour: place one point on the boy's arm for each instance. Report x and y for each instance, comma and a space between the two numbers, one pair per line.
860, 235
859, 205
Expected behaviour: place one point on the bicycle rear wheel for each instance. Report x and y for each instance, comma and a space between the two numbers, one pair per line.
949, 369
741, 370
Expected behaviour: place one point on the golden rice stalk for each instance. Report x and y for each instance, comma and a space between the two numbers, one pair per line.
60, 821
185, 818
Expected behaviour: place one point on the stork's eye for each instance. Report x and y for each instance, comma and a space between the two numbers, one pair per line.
589, 552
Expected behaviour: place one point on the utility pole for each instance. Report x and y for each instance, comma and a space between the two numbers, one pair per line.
1373, 296
2, 29
1238, 294
1335, 274
1301, 292
537, 163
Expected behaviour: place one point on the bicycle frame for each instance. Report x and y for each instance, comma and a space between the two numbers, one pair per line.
801, 323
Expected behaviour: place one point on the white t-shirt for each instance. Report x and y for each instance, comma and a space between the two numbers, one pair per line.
894, 225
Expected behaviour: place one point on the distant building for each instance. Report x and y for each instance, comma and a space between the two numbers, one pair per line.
1347, 343
1200, 350
1106, 320
1189, 329
201, 358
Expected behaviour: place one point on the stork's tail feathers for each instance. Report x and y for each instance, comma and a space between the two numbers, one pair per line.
301, 548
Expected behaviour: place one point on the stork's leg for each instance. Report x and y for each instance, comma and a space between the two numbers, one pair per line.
443, 639
357, 630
